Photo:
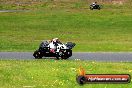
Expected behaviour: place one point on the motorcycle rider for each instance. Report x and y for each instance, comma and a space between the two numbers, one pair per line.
94, 3
56, 41
54, 44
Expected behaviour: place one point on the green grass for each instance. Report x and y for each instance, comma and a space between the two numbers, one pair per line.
57, 74
109, 29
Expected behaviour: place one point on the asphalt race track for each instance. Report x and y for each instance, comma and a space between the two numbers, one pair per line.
3, 11
96, 56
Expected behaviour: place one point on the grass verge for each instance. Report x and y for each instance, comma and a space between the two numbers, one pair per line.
57, 74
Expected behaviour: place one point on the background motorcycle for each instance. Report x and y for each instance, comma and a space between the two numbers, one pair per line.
95, 7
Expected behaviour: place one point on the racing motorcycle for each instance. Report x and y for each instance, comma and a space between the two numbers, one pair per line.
94, 7
46, 49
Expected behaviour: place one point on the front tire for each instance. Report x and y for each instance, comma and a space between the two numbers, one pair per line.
37, 54
91, 8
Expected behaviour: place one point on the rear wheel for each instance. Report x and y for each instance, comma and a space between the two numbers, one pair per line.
64, 57
66, 54
37, 54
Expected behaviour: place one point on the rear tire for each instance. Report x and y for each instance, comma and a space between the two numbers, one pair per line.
64, 57
67, 54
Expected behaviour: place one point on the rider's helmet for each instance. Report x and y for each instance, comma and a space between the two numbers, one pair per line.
94, 3
55, 39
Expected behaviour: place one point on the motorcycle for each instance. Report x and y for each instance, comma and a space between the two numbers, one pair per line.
46, 49
95, 7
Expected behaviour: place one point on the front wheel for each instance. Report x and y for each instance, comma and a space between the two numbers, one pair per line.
91, 8
37, 54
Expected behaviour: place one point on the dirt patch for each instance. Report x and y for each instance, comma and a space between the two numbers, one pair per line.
119, 2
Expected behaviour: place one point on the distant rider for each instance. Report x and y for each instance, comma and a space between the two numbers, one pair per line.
94, 3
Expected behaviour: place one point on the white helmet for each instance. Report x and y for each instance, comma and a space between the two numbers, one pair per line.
55, 39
